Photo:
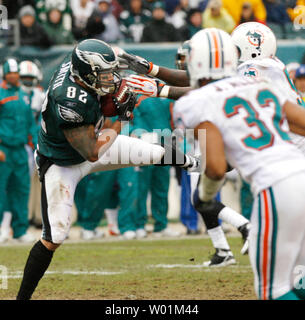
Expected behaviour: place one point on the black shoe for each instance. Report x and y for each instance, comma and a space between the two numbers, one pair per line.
221, 258
193, 232
244, 230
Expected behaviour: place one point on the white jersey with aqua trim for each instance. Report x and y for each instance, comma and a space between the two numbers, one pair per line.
275, 70
248, 113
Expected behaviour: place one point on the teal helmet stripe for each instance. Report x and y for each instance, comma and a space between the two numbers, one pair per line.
10, 65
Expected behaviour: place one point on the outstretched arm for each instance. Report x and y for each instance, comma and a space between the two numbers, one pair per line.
173, 77
138, 64
212, 148
296, 117
155, 88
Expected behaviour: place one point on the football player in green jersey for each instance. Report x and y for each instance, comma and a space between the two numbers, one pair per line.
72, 145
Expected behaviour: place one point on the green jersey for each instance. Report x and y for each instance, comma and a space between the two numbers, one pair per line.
67, 105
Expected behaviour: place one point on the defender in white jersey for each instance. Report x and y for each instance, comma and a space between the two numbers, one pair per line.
247, 123
257, 47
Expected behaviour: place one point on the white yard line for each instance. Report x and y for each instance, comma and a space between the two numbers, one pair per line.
236, 268
19, 274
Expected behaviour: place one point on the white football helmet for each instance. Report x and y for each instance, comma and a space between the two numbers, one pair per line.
212, 55
29, 75
254, 40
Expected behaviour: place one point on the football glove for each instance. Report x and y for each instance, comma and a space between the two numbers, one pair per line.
139, 64
125, 109
147, 86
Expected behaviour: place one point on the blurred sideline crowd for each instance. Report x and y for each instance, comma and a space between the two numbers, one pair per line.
120, 195
44, 23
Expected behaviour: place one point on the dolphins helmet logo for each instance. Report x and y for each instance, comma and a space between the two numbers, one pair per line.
255, 38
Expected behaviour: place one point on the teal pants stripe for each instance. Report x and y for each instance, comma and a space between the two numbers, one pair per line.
269, 252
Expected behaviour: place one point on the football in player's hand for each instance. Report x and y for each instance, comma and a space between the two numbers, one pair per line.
107, 106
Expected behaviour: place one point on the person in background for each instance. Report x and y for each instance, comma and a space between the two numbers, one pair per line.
17, 128
158, 30
30, 76
247, 14
276, 12
81, 11
42, 8
188, 215
291, 69
13, 7
93, 195
31, 32
216, 16
102, 24
148, 4
295, 8
152, 114
55, 28
300, 81
117, 8
133, 20
234, 8
193, 24
178, 18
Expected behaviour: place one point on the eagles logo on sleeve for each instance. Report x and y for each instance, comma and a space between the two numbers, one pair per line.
69, 115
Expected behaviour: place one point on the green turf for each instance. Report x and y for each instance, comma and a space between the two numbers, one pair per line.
140, 278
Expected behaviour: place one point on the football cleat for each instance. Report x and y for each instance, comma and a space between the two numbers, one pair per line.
244, 230
221, 258
141, 233
91, 234
26, 238
129, 235
113, 230
195, 164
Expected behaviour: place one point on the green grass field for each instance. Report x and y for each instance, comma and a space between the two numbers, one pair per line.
133, 270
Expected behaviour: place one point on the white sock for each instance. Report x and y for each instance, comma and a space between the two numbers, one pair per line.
112, 216
6, 222
231, 216
218, 238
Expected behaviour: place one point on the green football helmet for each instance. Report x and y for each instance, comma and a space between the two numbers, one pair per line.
182, 52
94, 63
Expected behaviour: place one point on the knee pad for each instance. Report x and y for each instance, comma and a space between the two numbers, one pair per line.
209, 210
